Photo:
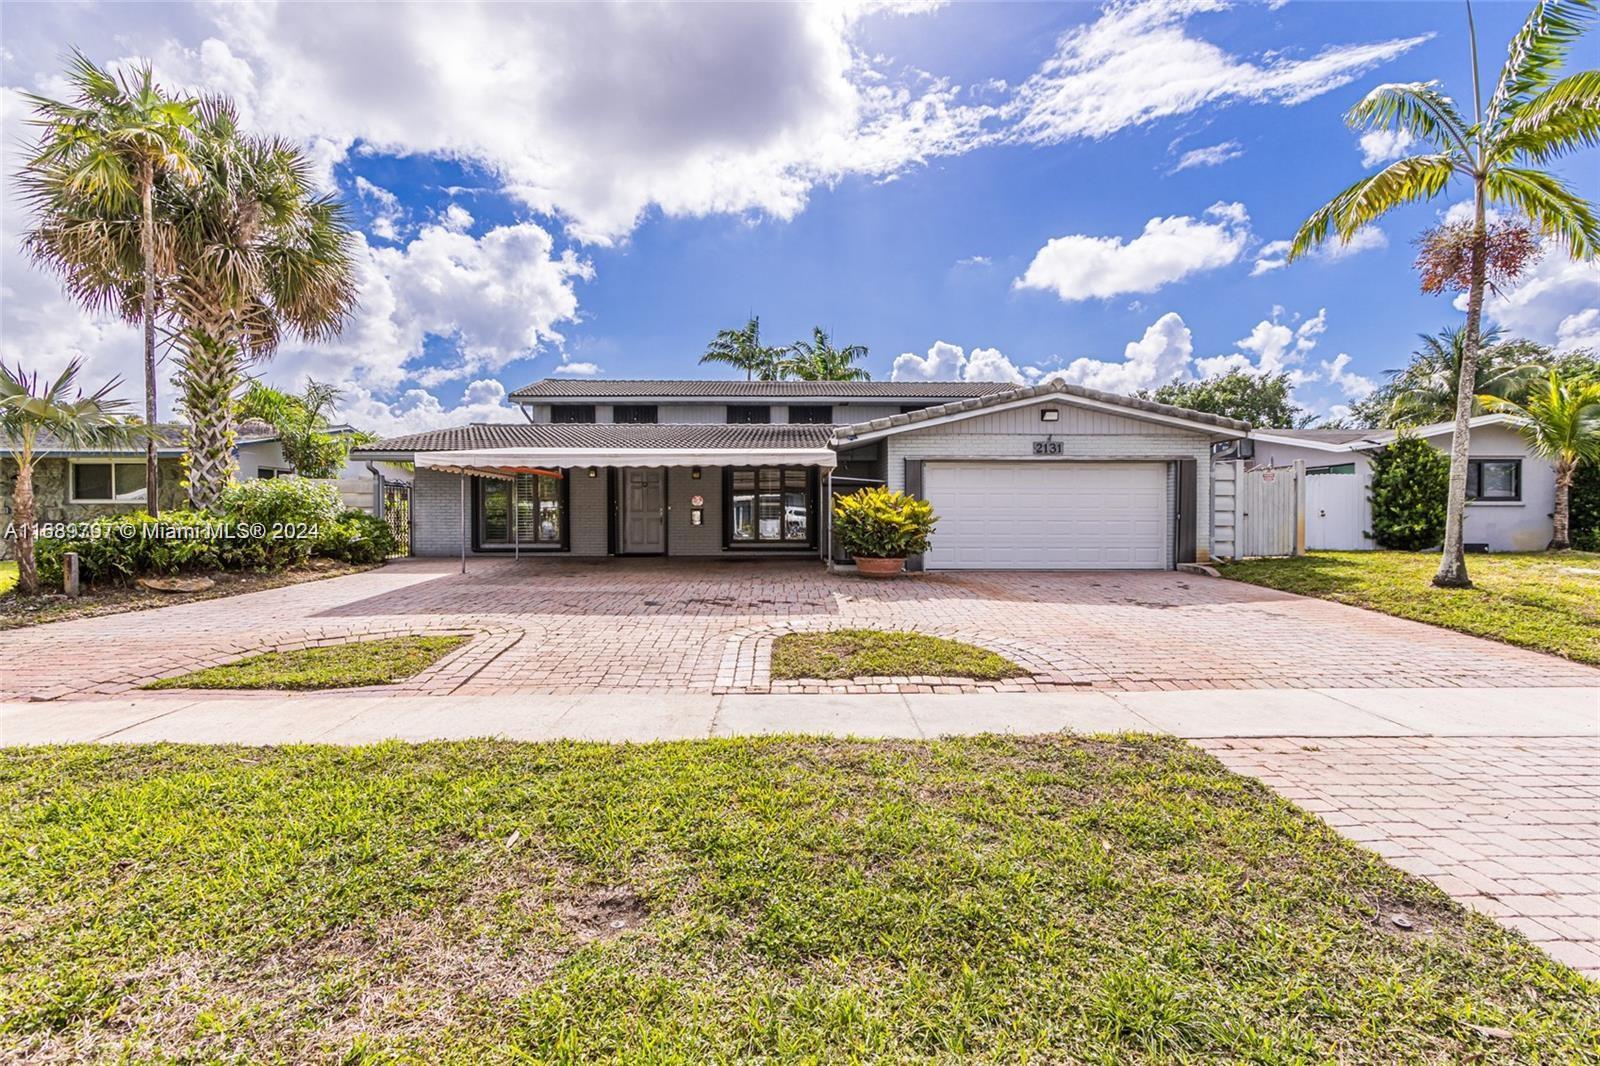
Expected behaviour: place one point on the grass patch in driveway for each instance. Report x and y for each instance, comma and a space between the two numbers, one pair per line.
366, 662
1113, 899
848, 653
1547, 601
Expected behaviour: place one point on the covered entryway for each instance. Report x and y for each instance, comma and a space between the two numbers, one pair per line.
1049, 515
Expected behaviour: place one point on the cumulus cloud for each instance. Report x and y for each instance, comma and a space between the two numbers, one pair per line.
1080, 267
387, 214
1162, 354
1210, 156
414, 410
1138, 62
1272, 347
1274, 255
1380, 146
1557, 302
1354, 386
950, 362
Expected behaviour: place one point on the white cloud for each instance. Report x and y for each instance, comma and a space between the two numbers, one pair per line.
1272, 347
949, 362
1274, 255
578, 370
1557, 302
415, 410
1354, 386
973, 261
388, 215
1380, 146
1210, 156
456, 219
1137, 63
1080, 267
1163, 353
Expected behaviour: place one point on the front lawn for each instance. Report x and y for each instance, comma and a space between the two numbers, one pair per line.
366, 662
1547, 601
8, 576
848, 653
1118, 899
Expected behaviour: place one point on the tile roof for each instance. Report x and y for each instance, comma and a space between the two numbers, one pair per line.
169, 440
602, 435
1053, 387
570, 389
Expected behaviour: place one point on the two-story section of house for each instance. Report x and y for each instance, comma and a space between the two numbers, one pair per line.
1049, 477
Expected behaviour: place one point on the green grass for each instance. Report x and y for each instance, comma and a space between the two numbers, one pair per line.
846, 653
1547, 601
8, 576
367, 662
1110, 900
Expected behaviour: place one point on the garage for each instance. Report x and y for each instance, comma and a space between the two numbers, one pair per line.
1049, 515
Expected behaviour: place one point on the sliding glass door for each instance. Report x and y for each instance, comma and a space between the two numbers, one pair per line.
526, 512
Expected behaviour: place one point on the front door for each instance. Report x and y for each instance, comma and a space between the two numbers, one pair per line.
644, 511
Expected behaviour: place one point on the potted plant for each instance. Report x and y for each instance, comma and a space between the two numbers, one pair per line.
879, 528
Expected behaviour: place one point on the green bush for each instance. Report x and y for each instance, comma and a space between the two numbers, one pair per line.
121, 547
356, 537
876, 523
282, 501
1584, 508
1410, 487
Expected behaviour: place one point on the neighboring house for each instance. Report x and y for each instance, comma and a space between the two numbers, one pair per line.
1050, 477
1511, 492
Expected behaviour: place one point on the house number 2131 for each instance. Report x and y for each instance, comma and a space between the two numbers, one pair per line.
1047, 447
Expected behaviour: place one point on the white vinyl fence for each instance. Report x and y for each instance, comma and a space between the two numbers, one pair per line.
1338, 512
1258, 512
358, 493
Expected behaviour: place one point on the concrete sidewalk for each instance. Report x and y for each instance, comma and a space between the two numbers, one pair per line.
260, 718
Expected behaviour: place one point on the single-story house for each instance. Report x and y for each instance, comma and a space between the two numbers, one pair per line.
1511, 492
1054, 476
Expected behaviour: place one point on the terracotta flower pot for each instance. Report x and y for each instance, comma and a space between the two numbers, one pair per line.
879, 567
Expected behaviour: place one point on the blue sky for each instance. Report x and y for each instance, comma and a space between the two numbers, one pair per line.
996, 191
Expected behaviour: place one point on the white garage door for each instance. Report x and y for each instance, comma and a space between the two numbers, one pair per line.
1048, 516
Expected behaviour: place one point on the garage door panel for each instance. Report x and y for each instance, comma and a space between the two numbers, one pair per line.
1048, 515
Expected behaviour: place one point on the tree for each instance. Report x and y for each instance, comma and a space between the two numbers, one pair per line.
259, 254
302, 423
1425, 391
818, 360
1410, 480
1531, 118
742, 348
1260, 399
69, 419
91, 183
1561, 422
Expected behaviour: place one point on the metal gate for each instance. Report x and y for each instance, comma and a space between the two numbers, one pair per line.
397, 512
1272, 517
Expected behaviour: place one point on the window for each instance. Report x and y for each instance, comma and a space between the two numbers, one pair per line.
1494, 479
810, 414
1338, 468
749, 414
633, 414
528, 511
107, 481
267, 473
570, 413
769, 505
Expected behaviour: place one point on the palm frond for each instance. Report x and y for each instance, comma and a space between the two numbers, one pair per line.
1408, 180
1562, 119
1536, 53
1416, 107
1555, 210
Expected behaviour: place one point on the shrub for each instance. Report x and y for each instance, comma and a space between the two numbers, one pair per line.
281, 501
121, 547
1410, 487
1584, 508
879, 524
356, 537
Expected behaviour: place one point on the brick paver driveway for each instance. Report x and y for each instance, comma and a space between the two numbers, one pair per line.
567, 626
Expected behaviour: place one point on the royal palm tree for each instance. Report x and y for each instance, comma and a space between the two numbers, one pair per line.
259, 254
742, 348
1561, 422
1532, 117
91, 183
818, 360
58, 410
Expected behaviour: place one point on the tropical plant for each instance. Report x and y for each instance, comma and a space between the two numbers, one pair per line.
1561, 422
259, 254
1410, 479
61, 413
742, 349
878, 523
302, 423
1424, 392
1585, 507
1260, 399
1532, 117
91, 184
818, 360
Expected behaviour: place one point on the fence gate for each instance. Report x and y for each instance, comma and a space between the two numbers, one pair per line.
1338, 513
397, 512
1271, 502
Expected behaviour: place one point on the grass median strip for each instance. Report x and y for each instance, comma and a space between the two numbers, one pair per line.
1101, 899
848, 653
366, 662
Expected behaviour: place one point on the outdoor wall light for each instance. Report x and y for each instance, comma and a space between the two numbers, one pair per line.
694, 472
594, 471
1049, 414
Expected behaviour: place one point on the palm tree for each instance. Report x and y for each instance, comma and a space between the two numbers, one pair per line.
1561, 422
742, 348
91, 183
259, 254
1532, 117
1425, 391
302, 422
72, 420
818, 360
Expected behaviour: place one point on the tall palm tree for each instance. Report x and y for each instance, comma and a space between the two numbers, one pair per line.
1561, 422
742, 348
91, 183
1425, 391
61, 412
818, 360
259, 254
1532, 117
